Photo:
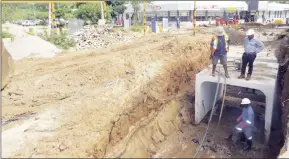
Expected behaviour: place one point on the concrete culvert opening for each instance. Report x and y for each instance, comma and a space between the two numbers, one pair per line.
231, 111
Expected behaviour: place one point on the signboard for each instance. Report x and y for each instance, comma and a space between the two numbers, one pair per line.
216, 7
208, 7
231, 9
252, 4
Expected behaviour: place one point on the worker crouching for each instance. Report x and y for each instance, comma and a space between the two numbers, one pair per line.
219, 49
245, 124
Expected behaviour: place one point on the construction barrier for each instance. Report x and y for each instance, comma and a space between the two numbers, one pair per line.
278, 21
31, 31
160, 26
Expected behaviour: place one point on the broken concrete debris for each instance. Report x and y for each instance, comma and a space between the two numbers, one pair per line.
94, 36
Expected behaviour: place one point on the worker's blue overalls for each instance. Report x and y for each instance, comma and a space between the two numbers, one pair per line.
246, 124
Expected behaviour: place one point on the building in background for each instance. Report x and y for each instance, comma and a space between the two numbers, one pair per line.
209, 10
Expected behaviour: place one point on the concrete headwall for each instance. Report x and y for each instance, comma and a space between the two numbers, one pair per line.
205, 94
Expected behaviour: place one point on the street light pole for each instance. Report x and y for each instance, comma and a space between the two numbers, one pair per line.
195, 16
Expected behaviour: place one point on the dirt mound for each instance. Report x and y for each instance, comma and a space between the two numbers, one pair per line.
7, 66
99, 104
236, 37
282, 55
282, 51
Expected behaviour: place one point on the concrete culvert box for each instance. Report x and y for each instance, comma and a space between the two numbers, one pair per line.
206, 86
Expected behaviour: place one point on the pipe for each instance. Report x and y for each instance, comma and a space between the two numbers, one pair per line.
224, 95
211, 115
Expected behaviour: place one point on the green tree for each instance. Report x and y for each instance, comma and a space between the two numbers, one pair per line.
7, 12
118, 7
90, 12
65, 10
41, 15
136, 8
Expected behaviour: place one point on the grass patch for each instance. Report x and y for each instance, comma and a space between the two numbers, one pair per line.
137, 28
6, 34
62, 40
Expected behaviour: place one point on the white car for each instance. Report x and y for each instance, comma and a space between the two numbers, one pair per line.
24, 23
31, 23
28, 23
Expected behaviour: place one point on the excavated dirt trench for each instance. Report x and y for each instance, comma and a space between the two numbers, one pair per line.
134, 100
125, 101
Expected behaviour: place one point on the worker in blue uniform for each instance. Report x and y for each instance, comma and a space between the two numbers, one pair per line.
245, 123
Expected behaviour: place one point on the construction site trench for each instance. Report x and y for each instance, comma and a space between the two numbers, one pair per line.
127, 100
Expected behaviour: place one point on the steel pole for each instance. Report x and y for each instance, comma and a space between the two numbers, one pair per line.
195, 16
144, 16
53, 17
101, 7
49, 17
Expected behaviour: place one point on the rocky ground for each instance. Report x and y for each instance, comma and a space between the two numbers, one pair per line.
94, 36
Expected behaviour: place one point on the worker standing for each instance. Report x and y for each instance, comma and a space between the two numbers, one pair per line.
252, 47
245, 124
219, 49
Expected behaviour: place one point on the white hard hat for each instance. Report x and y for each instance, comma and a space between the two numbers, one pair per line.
246, 101
220, 31
250, 32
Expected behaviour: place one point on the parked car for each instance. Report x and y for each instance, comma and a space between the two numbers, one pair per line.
28, 23
31, 23
24, 23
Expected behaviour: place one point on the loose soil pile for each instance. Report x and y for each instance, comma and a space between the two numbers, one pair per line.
236, 36
118, 102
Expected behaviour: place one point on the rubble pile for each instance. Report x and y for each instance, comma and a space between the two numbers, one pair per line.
94, 36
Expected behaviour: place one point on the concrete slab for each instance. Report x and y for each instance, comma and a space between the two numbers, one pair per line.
263, 79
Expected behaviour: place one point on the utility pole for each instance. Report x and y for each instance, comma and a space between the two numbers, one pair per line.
195, 16
144, 16
101, 7
105, 11
34, 11
49, 19
53, 14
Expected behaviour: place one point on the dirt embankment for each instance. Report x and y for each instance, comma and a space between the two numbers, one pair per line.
117, 102
282, 54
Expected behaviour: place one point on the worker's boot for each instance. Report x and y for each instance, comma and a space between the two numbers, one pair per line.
230, 137
241, 76
226, 71
242, 137
249, 145
214, 70
248, 77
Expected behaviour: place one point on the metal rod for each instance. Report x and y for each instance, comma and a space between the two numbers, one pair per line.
144, 16
195, 16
